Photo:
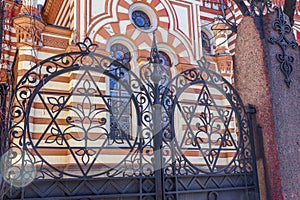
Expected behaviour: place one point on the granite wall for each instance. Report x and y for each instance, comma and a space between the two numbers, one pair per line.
252, 83
260, 82
285, 100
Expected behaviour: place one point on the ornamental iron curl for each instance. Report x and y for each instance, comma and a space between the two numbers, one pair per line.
260, 7
254, 7
282, 26
191, 130
76, 118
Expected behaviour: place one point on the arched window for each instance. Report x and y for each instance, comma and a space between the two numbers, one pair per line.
120, 119
205, 43
164, 58
120, 53
166, 62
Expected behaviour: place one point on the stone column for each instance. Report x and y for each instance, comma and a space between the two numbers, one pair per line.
283, 67
260, 82
252, 83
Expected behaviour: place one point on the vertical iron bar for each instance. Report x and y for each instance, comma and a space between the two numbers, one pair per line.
3, 93
289, 9
3, 129
157, 134
250, 109
158, 152
157, 120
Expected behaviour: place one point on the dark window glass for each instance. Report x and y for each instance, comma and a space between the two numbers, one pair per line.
166, 62
141, 19
205, 43
166, 77
164, 59
120, 53
120, 119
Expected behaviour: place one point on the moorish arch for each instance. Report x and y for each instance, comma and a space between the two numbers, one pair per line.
119, 23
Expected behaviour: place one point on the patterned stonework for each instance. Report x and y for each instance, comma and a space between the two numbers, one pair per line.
55, 42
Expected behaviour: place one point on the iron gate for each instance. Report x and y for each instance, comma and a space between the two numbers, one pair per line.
188, 137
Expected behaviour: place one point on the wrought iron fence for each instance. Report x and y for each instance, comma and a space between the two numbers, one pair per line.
189, 136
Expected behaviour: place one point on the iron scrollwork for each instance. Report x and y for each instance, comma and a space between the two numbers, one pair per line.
282, 26
77, 120
171, 136
208, 124
260, 7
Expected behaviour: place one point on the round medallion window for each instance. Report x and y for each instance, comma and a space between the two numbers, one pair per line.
141, 19
120, 53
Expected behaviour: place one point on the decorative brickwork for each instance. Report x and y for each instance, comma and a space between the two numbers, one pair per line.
55, 42
28, 30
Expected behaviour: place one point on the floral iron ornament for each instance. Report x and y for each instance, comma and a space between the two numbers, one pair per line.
282, 26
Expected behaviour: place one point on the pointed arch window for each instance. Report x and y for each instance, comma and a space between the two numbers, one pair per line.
120, 118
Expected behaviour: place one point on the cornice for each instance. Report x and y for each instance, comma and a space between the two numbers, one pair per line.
59, 31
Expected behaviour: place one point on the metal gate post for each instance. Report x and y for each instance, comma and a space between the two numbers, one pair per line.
158, 152
157, 118
3, 129
251, 111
